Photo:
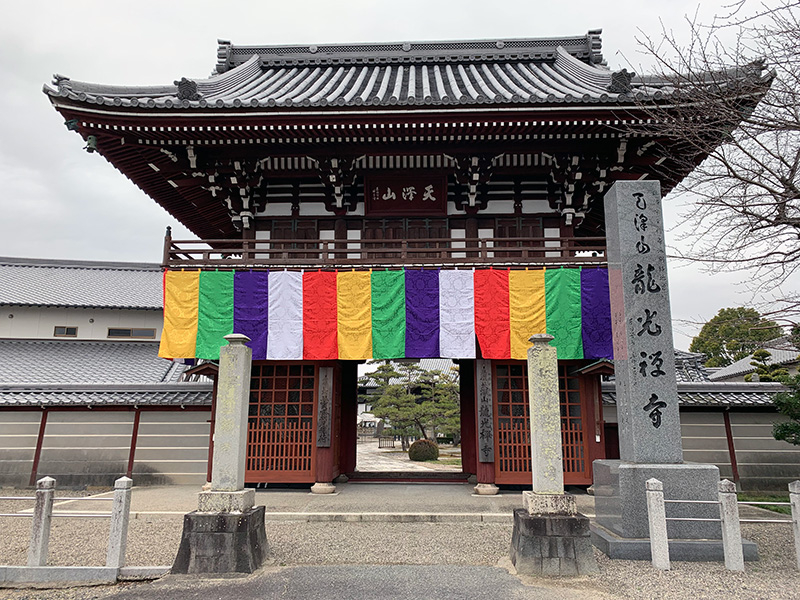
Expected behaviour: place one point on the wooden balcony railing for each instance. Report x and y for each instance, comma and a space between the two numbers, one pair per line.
384, 253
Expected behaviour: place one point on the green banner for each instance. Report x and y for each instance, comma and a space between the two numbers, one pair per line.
388, 314
562, 292
215, 312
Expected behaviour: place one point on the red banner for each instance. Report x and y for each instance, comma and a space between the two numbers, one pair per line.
416, 193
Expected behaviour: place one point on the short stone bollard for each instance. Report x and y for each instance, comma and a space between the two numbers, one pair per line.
794, 500
42, 517
657, 518
120, 516
731, 531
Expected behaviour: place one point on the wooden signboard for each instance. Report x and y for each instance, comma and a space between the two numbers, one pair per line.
416, 193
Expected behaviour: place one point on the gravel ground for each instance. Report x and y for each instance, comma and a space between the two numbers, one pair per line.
153, 540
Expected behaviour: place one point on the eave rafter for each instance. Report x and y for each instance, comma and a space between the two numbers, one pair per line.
209, 172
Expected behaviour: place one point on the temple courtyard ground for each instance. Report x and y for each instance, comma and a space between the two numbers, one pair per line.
379, 540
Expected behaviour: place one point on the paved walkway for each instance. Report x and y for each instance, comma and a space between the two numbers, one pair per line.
371, 458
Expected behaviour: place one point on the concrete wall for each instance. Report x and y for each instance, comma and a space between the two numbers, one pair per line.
39, 323
91, 447
172, 448
18, 433
764, 463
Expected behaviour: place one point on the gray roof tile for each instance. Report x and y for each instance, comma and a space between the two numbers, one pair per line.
78, 373
34, 282
84, 362
182, 394
522, 71
711, 394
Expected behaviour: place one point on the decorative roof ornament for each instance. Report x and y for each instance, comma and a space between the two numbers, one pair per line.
187, 89
61, 81
621, 82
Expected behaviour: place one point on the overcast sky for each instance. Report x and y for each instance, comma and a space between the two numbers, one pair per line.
60, 202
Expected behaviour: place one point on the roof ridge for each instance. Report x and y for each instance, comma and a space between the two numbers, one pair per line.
587, 46
13, 261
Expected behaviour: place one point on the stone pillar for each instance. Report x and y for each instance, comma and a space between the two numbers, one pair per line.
549, 537
42, 517
646, 392
226, 534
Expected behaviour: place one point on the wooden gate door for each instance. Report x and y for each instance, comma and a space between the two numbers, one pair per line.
512, 425
281, 444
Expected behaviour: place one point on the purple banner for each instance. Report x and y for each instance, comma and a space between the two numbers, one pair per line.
422, 314
250, 309
596, 314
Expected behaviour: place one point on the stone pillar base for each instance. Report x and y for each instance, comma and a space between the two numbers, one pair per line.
323, 488
551, 545
224, 502
222, 542
486, 489
549, 504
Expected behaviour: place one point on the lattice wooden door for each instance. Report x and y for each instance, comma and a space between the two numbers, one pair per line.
512, 425
282, 419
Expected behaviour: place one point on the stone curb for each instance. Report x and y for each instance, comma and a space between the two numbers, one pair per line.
17, 574
375, 517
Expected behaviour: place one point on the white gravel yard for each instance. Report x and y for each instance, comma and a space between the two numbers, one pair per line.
153, 540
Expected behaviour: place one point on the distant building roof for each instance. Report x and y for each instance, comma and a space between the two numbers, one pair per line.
427, 364
69, 373
720, 394
84, 284
782, 352
689, 366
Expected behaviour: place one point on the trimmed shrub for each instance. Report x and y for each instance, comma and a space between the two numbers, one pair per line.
423, 450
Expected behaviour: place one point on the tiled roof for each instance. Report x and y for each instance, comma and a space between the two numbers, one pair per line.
737, 394
181, 394
428, 364
689, 366
781, 353
71, 373
495, 72
84, 362
34, 282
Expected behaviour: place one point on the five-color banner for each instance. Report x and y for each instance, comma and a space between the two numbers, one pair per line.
409, 313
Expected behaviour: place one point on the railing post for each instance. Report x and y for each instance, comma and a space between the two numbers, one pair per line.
118, 533
167, 247
731, 532
794, 500
42, 516
404, 249
657, 517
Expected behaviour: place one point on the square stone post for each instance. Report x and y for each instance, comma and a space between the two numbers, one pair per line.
549, 537
226, 534
647, 393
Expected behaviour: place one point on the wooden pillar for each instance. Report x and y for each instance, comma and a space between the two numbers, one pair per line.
348, 386
469, 457
134, 437
726, 417
38, 452
326, 465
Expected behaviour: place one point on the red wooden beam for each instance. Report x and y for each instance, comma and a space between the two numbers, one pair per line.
38, 452
731, 449
134, 437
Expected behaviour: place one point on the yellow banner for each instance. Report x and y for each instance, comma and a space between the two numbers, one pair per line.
526, 308
181, 295
354, 312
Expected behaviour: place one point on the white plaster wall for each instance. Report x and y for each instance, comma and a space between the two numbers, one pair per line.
39, 323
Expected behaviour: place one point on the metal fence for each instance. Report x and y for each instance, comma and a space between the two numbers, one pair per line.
729, 520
